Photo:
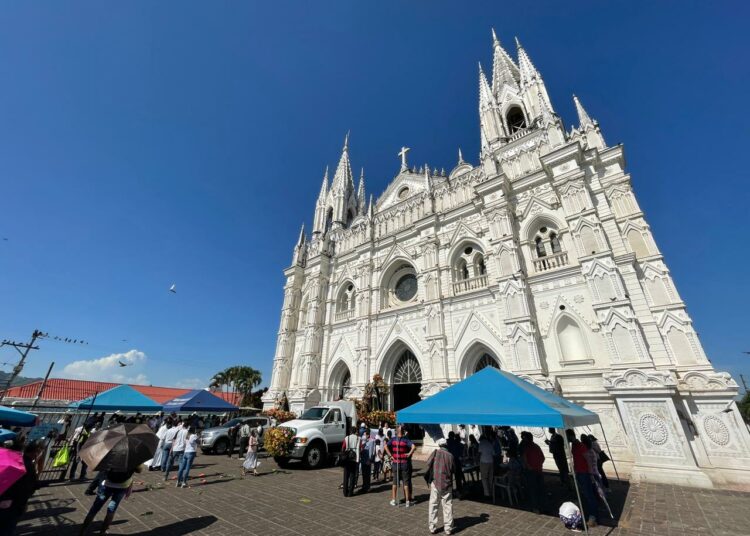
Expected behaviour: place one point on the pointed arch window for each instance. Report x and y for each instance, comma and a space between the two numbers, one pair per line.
486, 361
515, 119
554, 242
548, 249
346, 302
540, 251
469, 269
407, 370
346, 383
329, 219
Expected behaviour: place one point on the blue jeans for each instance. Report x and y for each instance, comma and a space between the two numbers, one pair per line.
174, 458
165, 459
588, 495
185, 464
115, 495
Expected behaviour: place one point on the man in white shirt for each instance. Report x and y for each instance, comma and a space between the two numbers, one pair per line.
178, 448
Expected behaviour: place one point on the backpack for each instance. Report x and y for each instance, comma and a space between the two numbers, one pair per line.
350, 454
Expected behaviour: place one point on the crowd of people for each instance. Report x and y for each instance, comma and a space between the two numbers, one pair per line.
490, 454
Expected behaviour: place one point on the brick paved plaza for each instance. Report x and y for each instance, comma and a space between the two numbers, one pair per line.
299, 502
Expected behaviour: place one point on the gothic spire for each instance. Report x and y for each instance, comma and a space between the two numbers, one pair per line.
485, 94
324, 186
302, 238
371, 208
427, 182
361, 192
583, 118
343, 179
460, 157
526, 68
504, 71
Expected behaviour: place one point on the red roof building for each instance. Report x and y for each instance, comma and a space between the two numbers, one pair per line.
59, 391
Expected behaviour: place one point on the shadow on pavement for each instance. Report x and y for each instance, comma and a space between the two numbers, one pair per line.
185, 526
465, 522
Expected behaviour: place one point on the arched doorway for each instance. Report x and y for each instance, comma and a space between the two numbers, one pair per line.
486, 361
406, 386
478, 356
407, 381
340, 381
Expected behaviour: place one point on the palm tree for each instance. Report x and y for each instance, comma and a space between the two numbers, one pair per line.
241, 379
245, 380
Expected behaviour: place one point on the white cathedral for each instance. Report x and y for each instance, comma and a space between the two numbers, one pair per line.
537, 260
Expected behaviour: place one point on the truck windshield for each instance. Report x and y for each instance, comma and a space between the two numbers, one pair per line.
314, 414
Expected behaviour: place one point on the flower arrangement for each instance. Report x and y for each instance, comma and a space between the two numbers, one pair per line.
374, 418
279, 441
280, 415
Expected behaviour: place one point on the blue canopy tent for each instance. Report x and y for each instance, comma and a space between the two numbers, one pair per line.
494, 397
14, 417
198, 400
6, 435
122, 398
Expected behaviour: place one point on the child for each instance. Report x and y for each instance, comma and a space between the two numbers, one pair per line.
378, 460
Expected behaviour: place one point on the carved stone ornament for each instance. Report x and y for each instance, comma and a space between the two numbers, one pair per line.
298, 393
474, 325
431, 389
542, 383
355, 392
707, 381
716, 430
578, 299
653, 429
635, 378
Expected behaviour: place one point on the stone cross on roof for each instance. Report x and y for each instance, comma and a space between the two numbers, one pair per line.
402, 154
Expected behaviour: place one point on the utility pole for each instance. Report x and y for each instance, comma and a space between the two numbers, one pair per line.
19, 367
41, 387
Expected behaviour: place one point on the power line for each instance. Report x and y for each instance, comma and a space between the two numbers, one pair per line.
19, 367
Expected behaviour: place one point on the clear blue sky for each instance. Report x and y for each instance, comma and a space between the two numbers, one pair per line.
144, 144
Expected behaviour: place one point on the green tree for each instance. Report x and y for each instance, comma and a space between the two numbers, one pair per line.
240, 379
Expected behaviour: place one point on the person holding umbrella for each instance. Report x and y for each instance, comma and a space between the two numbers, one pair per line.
21, 478
120, 451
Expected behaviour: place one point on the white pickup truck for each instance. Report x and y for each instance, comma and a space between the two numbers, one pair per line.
319, 432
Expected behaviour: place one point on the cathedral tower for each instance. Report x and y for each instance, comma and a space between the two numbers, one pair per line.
538, 260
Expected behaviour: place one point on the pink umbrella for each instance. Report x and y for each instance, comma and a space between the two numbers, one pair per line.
11, 468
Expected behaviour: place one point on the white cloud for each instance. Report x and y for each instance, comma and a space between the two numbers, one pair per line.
191, 383
108, 369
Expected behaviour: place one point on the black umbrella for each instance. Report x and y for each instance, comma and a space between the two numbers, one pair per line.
120, 448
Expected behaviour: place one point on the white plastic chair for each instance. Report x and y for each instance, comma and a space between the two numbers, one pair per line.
503, 483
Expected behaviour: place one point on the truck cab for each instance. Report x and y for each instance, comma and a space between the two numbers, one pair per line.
319, 432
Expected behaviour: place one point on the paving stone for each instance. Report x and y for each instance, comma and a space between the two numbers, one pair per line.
294, 502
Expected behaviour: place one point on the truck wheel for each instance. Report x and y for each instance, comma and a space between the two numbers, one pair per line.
221, 447
315, 456
281, 461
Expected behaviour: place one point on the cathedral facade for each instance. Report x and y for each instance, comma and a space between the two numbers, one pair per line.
537, 260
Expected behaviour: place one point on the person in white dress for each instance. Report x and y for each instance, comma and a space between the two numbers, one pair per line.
251, 458
155, 463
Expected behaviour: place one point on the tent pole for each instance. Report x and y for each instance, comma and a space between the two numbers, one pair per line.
609, 451
569, 455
